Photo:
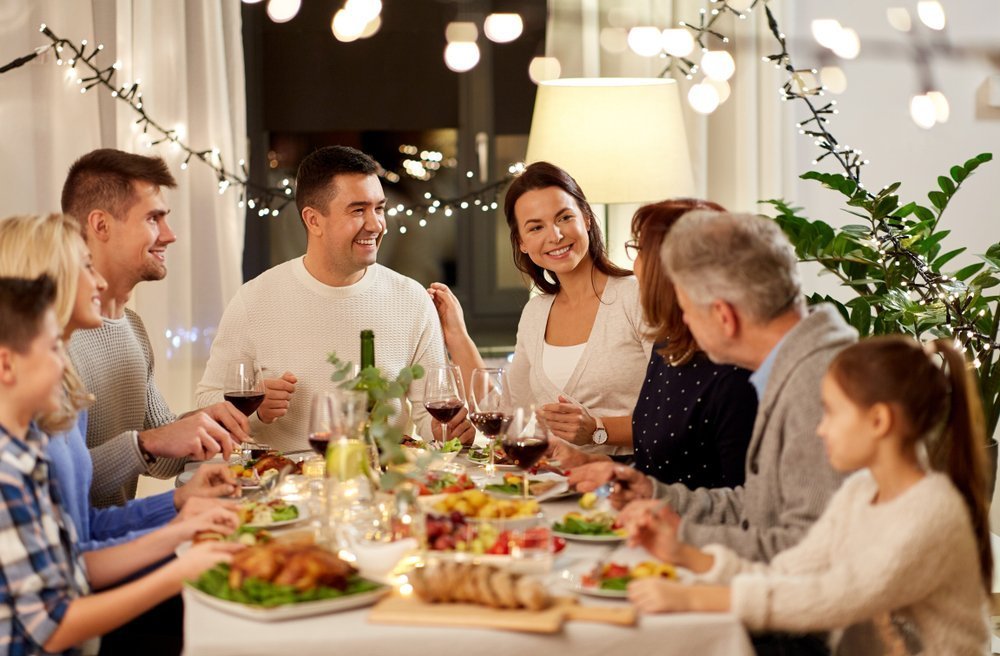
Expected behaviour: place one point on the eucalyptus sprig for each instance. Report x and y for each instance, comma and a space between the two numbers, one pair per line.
382, 392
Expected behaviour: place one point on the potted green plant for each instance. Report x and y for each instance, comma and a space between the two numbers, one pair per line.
896, 265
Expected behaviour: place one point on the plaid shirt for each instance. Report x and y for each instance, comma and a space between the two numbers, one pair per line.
39, 572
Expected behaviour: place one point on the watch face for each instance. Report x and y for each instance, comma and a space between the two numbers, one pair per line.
600, 436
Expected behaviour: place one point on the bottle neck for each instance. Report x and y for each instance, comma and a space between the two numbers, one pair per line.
367, 351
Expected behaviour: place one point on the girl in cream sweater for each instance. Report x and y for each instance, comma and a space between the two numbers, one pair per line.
901, 546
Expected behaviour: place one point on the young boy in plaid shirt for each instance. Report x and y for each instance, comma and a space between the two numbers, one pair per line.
45, 605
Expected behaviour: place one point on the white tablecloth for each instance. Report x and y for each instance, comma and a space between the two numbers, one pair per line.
209, 632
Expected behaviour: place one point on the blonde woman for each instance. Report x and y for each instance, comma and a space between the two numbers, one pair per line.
29, 247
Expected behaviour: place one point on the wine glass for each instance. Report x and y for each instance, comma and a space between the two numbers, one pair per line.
244, 388
489, 408
525, 441
325, 422
444, 395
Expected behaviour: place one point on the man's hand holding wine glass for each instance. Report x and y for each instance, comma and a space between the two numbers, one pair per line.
459, 426
278, 396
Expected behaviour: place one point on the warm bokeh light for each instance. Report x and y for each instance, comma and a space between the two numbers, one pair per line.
544, 68
703, 98
282, 11
718, 64
645, 40
461, 56
503, 28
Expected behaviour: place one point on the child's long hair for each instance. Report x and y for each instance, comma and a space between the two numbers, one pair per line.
941, 408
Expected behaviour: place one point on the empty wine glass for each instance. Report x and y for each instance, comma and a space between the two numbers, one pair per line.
444, 395
489, 408
244, 388
525, 441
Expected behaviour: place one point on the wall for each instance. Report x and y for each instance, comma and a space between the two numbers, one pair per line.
874, 116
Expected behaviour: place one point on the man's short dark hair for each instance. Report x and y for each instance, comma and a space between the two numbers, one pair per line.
103, 180
23, 302
314, 180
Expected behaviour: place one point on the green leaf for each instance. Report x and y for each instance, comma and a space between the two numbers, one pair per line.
947, 186
905, 210
947, 257
966, 272
992, 256
937, 199
923, 213
958, 174
861, 316
984, 281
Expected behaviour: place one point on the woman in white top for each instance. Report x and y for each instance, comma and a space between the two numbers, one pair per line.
902, 547
581, 346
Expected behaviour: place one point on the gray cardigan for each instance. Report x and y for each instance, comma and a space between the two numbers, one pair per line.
788, 479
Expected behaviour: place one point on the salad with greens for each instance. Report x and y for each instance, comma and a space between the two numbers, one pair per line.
450, 446
598, 523
256, 592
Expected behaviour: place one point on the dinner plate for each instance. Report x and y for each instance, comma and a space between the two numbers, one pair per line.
303, 515
288, 611
593, 591
596, 539
245, 483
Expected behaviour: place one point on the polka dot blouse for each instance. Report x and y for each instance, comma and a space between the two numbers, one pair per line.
692, 424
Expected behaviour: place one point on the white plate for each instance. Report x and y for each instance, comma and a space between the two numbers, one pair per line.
600, 592
597, 539
303, 515
245, 483
289, 611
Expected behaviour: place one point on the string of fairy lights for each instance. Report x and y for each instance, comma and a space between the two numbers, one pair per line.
930, 288
82, 62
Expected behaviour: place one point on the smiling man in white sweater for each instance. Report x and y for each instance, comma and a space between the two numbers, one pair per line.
290, 317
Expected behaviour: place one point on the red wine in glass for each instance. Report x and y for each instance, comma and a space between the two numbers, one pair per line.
490, 424
319, 442
444, 411
525, 451
245, 402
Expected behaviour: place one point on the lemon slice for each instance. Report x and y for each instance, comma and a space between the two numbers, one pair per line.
346, 460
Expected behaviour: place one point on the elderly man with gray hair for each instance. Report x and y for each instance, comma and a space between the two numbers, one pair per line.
737, 282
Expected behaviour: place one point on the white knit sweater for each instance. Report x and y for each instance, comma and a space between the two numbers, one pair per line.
914, 557
289, 321
609, 374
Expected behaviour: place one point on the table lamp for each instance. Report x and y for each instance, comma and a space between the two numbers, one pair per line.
622, 139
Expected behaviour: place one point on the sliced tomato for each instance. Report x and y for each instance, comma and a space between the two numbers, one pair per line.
615, 571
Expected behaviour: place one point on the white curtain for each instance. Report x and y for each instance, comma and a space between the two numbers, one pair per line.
189, 57
740, 154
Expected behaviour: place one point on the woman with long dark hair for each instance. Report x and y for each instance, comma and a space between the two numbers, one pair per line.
581, 343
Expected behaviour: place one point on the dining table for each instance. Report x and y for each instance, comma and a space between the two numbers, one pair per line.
212, 632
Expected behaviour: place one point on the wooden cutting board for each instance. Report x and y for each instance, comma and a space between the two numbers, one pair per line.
411, 611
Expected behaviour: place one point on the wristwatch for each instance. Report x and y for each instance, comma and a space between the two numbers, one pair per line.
600, 435
147, 457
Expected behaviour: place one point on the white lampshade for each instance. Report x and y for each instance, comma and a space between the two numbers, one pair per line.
622, 139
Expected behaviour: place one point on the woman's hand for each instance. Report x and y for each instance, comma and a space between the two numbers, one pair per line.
569, 421
653, 525
658, 595
570, 456
449, 312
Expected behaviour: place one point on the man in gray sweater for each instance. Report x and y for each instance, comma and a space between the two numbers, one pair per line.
117, 198
737, 282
